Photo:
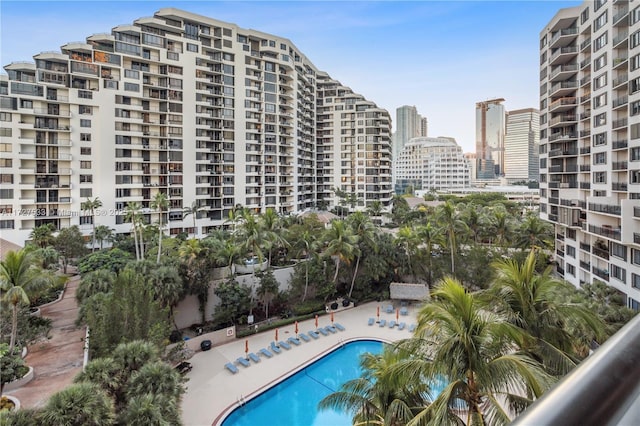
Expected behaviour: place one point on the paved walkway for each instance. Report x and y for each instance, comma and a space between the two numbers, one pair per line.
58, 360
213, 392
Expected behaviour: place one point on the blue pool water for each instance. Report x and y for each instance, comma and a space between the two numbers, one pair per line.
294, 402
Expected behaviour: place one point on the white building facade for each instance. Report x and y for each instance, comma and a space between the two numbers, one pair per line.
521, 145
432, 164
590, 142
199, 109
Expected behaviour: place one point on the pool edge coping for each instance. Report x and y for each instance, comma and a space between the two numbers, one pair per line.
230, 408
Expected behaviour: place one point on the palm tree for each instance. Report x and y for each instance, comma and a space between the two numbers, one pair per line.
408, 241
104, 372
375, 208
133, 214
430, 237
451, 225
168, 288
150, 409
193, 211
474, 220
272, 230
306, 243
341, 244
534, 232
365, 231
161, 203
501, 227
81, 404
534, 302
476, 352
103, 233
42, 235
91, 206
158, 378
378, 397
20, 275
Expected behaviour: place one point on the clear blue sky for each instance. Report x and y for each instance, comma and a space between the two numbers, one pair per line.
441, 56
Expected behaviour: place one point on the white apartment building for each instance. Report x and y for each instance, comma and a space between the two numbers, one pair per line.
432, 164
521, 145
354, 145
183, 104
590, 142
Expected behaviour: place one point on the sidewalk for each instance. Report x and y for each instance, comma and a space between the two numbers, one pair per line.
58, 360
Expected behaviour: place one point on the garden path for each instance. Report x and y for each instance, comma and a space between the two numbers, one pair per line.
57, 360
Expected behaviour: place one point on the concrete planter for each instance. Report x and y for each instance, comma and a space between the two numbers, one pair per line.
20, 382
250, 268
221, 273
16, 401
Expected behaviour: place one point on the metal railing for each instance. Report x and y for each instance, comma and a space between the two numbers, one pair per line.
603, 390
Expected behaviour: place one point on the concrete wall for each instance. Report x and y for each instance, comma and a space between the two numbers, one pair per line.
187, 313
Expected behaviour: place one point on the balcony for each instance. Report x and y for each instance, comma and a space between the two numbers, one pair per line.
585, 265
562, 72
603, 389
563, 104
619, 123
585, 150
600, 252
636, 211
606, 231
562, 88
601, 273
586, 247
636, 238
563, 37
605, 208
618, 17
563, 55
562, 136
563, 119
620, 102
619, 165
621, 144
619, 186
585, 167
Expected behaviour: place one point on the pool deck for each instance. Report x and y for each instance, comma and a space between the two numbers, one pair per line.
213, 392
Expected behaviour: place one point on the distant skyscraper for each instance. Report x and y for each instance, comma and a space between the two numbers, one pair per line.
409, 124
521, 145
490, 132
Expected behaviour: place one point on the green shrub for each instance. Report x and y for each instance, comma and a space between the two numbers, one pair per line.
308, 307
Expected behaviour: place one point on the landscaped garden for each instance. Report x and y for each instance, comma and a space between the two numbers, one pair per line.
530, 328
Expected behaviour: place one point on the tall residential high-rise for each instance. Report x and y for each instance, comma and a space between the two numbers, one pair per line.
178, 103
590, 143
521, 145
431, 163
490, 133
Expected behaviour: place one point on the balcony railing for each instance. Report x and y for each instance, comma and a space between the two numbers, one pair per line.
604, 254
603, 390
605, 231
605, 208
601, 273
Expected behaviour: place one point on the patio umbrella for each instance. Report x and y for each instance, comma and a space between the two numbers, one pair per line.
316, 321
296, 329
378, 312
246, 347
276, 334
331, 317
397, 314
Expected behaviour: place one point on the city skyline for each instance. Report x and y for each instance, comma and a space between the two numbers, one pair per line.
369, 42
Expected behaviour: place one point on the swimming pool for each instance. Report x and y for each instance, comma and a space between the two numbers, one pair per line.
294, 402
